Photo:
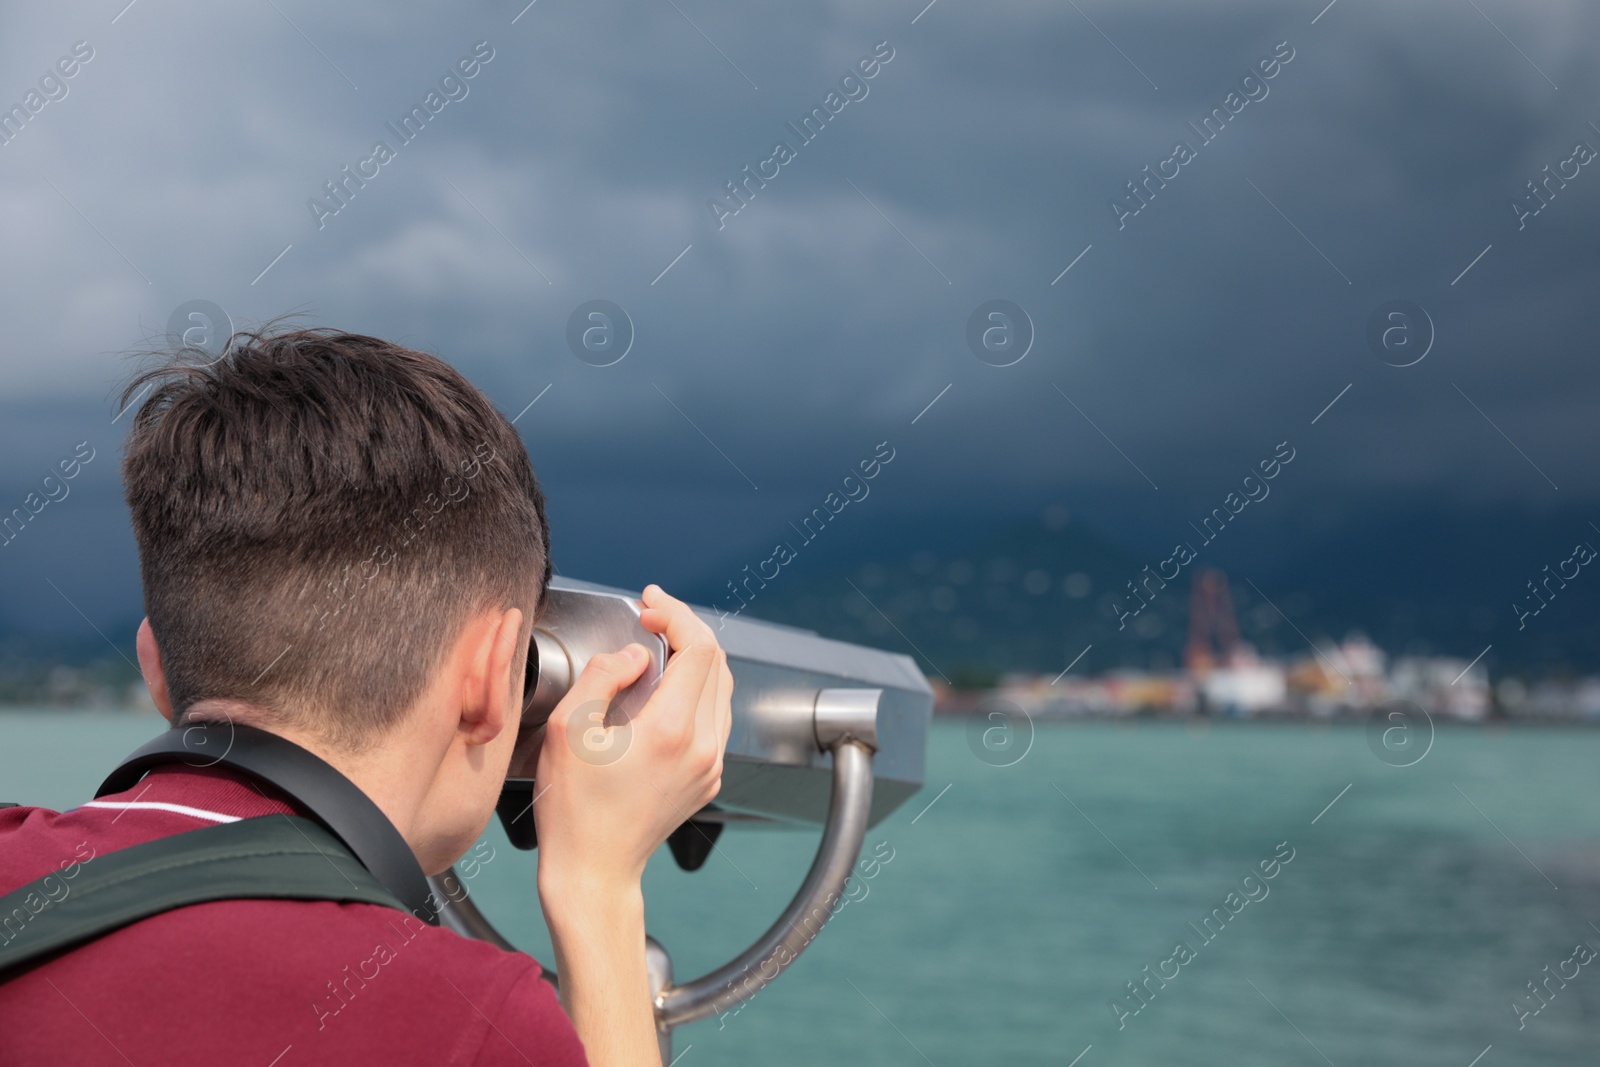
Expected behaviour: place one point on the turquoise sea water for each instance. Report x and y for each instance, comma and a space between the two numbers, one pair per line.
1414, 911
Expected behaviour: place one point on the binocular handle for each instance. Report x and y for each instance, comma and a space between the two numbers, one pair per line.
842, 722
812, 906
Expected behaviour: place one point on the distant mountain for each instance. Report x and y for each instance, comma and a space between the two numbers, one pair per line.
1031, 594
1026, 596
973, 593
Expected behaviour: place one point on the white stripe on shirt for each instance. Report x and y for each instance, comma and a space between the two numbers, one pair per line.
157, 805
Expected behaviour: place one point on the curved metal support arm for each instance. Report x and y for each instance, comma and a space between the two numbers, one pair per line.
840, 721
751, 970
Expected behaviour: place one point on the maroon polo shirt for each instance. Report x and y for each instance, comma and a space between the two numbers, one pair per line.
269, 983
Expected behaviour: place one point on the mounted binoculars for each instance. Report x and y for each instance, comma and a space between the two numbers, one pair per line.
824, 732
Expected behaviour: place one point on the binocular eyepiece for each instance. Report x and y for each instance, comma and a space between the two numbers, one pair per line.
795, 693
578, 625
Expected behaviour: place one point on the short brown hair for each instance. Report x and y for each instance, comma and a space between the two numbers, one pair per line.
318, 514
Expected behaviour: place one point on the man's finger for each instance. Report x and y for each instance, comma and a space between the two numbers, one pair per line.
677, 695
705, 713
725, 702
667, 615
602, 678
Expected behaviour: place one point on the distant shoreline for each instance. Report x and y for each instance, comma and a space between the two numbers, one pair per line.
954, 715
1290, 718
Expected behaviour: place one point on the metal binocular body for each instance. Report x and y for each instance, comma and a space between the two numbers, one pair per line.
824, 732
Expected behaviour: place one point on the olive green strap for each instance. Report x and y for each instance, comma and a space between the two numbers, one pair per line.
268, 857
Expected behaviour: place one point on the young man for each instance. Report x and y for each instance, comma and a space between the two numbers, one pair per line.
343, 543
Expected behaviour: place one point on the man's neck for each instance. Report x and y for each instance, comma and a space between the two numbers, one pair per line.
378, 771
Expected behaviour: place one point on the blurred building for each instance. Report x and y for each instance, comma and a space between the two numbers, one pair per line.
1443, 686
1224, 676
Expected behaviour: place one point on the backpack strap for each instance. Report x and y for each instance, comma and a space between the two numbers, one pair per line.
281, 857
336, 802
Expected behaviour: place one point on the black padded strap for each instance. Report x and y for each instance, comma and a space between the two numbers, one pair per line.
337, 802
268, 857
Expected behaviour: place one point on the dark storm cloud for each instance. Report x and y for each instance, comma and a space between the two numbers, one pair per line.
979, 162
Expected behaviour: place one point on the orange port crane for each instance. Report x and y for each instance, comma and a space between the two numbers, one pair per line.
1211, 616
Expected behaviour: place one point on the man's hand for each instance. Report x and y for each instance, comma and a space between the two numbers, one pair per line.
610, 795
606, 797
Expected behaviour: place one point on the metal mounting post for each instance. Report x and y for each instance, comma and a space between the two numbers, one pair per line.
841, 722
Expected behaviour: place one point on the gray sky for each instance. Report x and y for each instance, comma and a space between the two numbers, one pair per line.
1379, 163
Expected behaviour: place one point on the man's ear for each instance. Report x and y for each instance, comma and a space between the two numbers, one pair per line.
490, 702
150, 666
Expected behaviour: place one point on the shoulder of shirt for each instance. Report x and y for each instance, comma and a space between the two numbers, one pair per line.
527, 1021
401, 927
524, 1016
446, 941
